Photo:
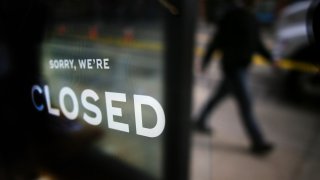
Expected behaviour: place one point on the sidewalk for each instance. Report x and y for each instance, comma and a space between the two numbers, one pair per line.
225, 156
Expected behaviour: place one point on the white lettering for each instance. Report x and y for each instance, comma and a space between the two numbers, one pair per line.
82, 63
106, 64
69, 114
89, 61
99, 63
93, 113
113, 111
93, 108
51, 110
159, 127
36, 88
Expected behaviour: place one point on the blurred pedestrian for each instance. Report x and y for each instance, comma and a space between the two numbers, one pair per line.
238, 39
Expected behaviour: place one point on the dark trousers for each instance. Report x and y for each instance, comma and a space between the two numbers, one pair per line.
235, 82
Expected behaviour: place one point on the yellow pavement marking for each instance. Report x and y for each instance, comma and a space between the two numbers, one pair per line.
286, 64
289, 64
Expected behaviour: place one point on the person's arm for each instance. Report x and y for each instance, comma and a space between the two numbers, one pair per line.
262, 50
213, 45
209, 51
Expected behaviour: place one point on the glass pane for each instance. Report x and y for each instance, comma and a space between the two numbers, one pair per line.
112, 52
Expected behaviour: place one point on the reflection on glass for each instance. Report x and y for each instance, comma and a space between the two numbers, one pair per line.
130, 37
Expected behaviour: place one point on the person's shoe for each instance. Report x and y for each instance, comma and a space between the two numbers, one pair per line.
202, 128
261, 149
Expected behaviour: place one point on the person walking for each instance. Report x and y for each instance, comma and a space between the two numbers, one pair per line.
238, 38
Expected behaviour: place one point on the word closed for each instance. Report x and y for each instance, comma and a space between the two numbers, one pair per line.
95, 117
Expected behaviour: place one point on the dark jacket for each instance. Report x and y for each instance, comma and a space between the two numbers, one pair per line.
238, 38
